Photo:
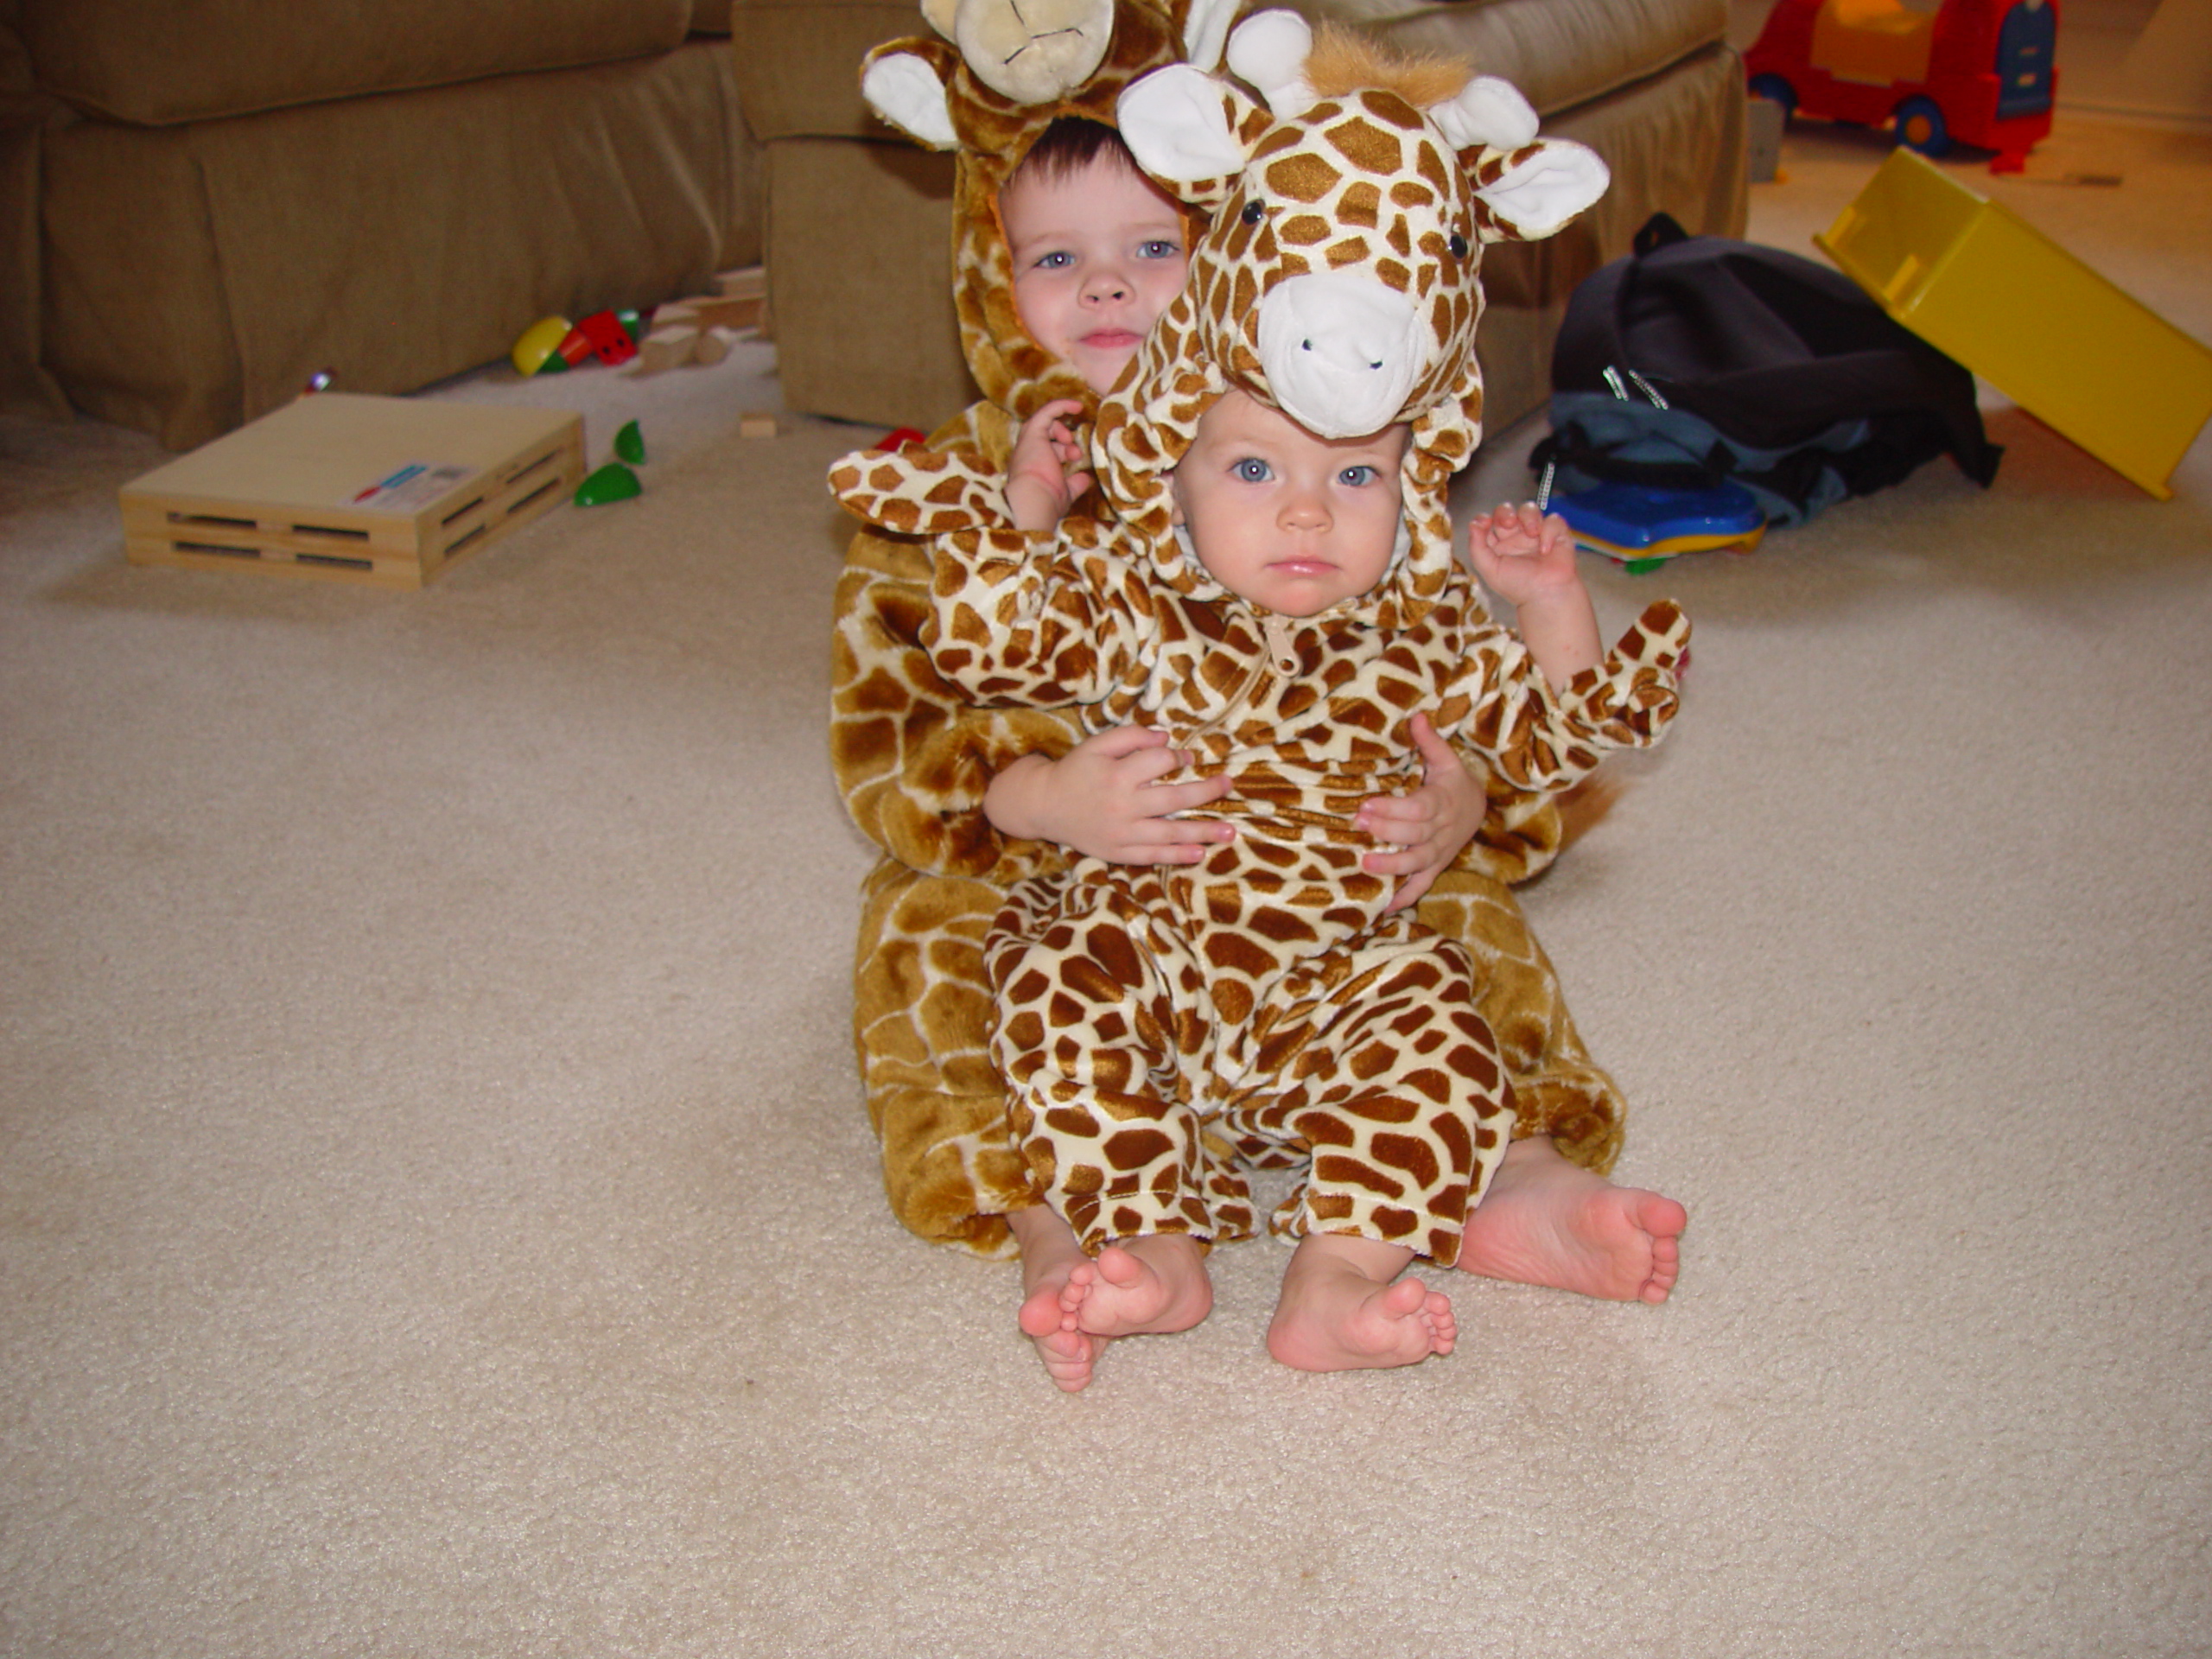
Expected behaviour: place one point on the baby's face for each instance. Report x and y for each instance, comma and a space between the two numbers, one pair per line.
1097, 256
1293, 523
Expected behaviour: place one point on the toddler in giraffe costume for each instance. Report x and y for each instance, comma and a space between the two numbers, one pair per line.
1269, 994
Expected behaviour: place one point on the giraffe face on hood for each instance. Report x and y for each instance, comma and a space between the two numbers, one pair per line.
1345, 281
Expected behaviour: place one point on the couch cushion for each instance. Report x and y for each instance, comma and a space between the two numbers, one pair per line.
1559, 52
799, 63
159, 62
798, 60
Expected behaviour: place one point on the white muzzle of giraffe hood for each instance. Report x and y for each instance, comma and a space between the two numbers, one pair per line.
1341, 351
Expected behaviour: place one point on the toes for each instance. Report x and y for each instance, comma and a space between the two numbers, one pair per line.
1069, 1358
1660, 1217
1404, 1297
1071, 1376
1118, 1267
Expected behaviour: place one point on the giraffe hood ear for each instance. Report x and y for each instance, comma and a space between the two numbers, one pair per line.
1487, 113
905, 84
1205, 28
1537, 190
1182, 125
1268, 51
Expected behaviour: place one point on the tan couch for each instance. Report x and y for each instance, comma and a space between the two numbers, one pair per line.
859, 270
201, 206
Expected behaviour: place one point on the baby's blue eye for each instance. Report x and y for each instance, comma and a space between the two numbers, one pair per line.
1359, 476
1056, 261
1252, 470
1162, 249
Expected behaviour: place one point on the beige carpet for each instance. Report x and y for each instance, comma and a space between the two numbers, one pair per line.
436, 1216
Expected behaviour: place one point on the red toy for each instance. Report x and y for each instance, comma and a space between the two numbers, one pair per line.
606, 337
1975, 72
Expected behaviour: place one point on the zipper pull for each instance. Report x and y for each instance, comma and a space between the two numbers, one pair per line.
1278, 634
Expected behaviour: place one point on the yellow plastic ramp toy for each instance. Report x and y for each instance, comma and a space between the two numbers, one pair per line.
1977, 282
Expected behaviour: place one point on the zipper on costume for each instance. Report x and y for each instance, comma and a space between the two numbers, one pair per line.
1276, 635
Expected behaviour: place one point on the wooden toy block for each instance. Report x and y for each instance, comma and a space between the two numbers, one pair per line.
749, 283
758, 423
714, 311
344, 487
746, 292
739, 314
667, 347
713, 345
701, 329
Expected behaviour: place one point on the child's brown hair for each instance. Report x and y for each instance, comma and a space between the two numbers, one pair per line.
1071, 143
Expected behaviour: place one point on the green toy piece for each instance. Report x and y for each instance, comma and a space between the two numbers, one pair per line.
630, 443
613, 482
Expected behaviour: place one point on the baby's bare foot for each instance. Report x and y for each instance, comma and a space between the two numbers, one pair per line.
1544, 1221
1049, 1255
1146, 1286
1340, 1310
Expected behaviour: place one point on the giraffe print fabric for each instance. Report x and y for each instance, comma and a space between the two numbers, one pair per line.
1263, 992
912, 754
1266, 991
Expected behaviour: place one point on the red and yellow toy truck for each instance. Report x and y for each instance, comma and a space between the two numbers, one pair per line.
1974, 72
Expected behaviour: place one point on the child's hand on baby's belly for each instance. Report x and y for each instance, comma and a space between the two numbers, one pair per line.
1423, 832
1122, 795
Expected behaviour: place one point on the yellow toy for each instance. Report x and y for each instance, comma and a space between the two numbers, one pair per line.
539, 341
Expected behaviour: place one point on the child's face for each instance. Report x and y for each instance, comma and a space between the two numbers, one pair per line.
1097, 256
1293, 523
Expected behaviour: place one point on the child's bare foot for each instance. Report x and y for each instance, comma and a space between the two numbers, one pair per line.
1049, 1255
1146, 1285
1339, 1310
1544, 1221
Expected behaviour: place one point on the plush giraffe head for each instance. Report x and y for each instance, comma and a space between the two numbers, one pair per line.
1338, 277
1000, 76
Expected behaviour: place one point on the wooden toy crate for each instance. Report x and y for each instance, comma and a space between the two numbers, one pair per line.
1983, 286
386, 491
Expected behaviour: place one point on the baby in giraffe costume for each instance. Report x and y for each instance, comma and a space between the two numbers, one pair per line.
1279, 604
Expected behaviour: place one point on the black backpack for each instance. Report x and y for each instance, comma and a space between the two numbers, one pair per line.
1698, 359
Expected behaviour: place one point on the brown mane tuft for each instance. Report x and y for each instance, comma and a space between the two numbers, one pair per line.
1343, 61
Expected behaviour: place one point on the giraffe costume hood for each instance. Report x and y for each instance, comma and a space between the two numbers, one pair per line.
991, 83
1340, 278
